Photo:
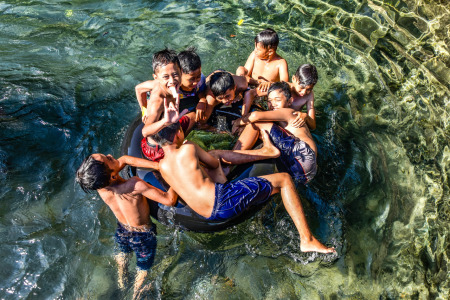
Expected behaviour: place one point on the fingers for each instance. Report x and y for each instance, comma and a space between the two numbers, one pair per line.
298, 123
185, 111
172, 107
199, 115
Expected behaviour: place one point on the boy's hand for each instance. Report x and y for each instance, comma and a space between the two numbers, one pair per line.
171, 112
144, 114
263, 86
200, 112
299, 121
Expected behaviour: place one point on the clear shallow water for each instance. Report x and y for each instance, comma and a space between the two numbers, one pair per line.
67, 74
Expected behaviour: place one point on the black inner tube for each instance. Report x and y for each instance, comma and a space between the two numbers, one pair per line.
182, 215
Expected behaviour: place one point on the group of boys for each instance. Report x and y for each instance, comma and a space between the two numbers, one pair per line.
196, 175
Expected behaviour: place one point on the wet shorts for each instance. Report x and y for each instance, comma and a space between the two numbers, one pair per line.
156, 153
232, 198
297, 158
142, 243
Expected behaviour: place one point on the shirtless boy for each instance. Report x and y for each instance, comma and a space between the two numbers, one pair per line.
192, 83
264, 65
226, 88
167, 73
302, 93
298, 150
126, 199
211, 196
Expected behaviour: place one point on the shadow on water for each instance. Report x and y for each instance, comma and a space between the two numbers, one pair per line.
68, 72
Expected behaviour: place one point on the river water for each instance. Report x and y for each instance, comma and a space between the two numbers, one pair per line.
381, 197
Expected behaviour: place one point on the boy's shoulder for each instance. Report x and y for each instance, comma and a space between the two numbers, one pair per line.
157, 94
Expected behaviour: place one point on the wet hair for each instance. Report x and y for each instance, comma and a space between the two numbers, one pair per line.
163, 58
282, 86
268, 38
166, 135
221, 82
189, 60
307, 75
93, 175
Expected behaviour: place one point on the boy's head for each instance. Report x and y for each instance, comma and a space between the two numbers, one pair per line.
266, 43
279, 95
223, 87
96, 172
168, 135
166, 68
191, 68
304, 79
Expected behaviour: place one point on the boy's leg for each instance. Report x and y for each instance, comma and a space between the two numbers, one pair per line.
138, 282
122, 260
144, 244
236, 157
282, 182
250, 135
124, 253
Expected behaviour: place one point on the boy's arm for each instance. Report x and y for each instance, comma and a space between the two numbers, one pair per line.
249, 69
211, 102
141, 92
309, 118
168, 198
247, 102
205, 158
154, 111
137, 162
171, 115
249, 64
200, 110
311, 121
282, 114
283, 71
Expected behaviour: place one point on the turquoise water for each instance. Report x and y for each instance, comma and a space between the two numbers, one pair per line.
67, 77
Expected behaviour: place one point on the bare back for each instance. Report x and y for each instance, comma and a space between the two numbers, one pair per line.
129, 207
181, 169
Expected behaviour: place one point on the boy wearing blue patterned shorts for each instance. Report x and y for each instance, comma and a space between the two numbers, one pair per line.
290, 134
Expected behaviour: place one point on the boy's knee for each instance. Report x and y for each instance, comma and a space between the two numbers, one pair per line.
241, 71
215, 153
285, 178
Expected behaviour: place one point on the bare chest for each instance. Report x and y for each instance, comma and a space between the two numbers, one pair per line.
265, 70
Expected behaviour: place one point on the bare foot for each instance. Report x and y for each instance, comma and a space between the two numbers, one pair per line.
313, 245
268, 147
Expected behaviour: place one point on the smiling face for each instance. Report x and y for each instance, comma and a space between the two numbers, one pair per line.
168, 76
261, 52
277, 100
302, 90
228, 97
191, 80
